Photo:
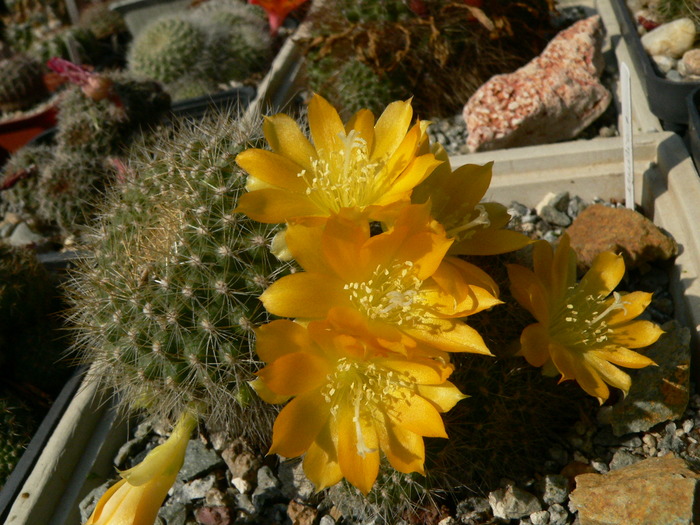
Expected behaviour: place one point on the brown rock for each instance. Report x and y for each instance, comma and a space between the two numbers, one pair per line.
301, 514
653, 491
691, 62
602, 228
213, 516
552, 98
242, 464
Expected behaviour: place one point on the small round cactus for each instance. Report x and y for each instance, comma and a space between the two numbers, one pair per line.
17, 425
70, 43
102, 21
21, 83
168, 48
166, 306
21, 176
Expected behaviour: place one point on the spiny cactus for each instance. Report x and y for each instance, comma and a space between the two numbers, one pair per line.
71, 43
20, 175
21, 83
102, 21
69, 188
103, 127
17, 425
167, 48
166, 305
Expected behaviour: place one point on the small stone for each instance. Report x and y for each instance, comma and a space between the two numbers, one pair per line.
558, 515
601, 228
199, 460
552, 236
173, 514
268, 488
623, 458
517, 209
691, 62
541, 517
213, 516
473, 511
671, 39
654, 490
674, 75
242, 464
600, 466
6, 229
294, 483
244, 503
197, 488
449, 520
513, 503
216, 498
12, 218
664, 63
576, 206
301, 514
22, 235
555, 488
88, 503
327, 520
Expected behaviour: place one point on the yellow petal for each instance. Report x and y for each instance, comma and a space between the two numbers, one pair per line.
321, 463
304, 295
609, 372
358, 449
450, 336
563, 275
625, 357
362, 123
273, 169
304, 243
443, 396
419, 416
326, 127
294, 374
635, 303
529, 291
298, 425
575, 367
542, 258
457, 277
605, 274
284, 136
636, 334
411, 175
391, 127
272, 206
419, 373
404, 449
534, 344
490, 242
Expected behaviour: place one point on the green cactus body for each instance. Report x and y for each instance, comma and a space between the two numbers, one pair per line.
102, 21
17, 425
70, 43
21, 83
22, 197
69, 188
166, 49
167, 305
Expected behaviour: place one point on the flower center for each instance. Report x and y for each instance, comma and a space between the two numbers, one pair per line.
345, 178
583, 323
370, 389
392, 294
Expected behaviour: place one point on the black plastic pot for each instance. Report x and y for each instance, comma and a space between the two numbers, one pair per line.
196, 108
666, 97
693, 134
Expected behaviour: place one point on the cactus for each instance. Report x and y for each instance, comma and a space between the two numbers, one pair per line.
102, 21
17, 425
21, 83
103, 127
166, 305
69, 188
167, 49
71, 43
20, 175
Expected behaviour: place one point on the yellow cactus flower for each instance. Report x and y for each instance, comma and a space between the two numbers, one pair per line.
351, 399
399, 280
582, 332
135, 499
359, 165
477, 227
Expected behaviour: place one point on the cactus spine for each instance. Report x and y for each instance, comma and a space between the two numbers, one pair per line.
21, 83
167, 304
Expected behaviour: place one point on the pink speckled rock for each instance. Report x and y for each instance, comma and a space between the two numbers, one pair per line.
552, 98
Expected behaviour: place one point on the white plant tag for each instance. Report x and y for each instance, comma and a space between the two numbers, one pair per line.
627, 139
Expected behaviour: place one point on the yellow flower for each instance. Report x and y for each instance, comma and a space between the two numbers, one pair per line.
351, 399
136, 498
399, 280
359, 165
582, 332
455, 196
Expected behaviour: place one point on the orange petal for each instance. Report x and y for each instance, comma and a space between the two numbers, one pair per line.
404, 449
419, 416
362, 123
450, 336
534, 344
529, 291
304, 243
490, 242
358, 450
391, 128
636, 334
298, 425
635, 303
321, 461
304, 295
280, 337
271, 206
609, 372
605, 274
625, 357
444, 396
295, 374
